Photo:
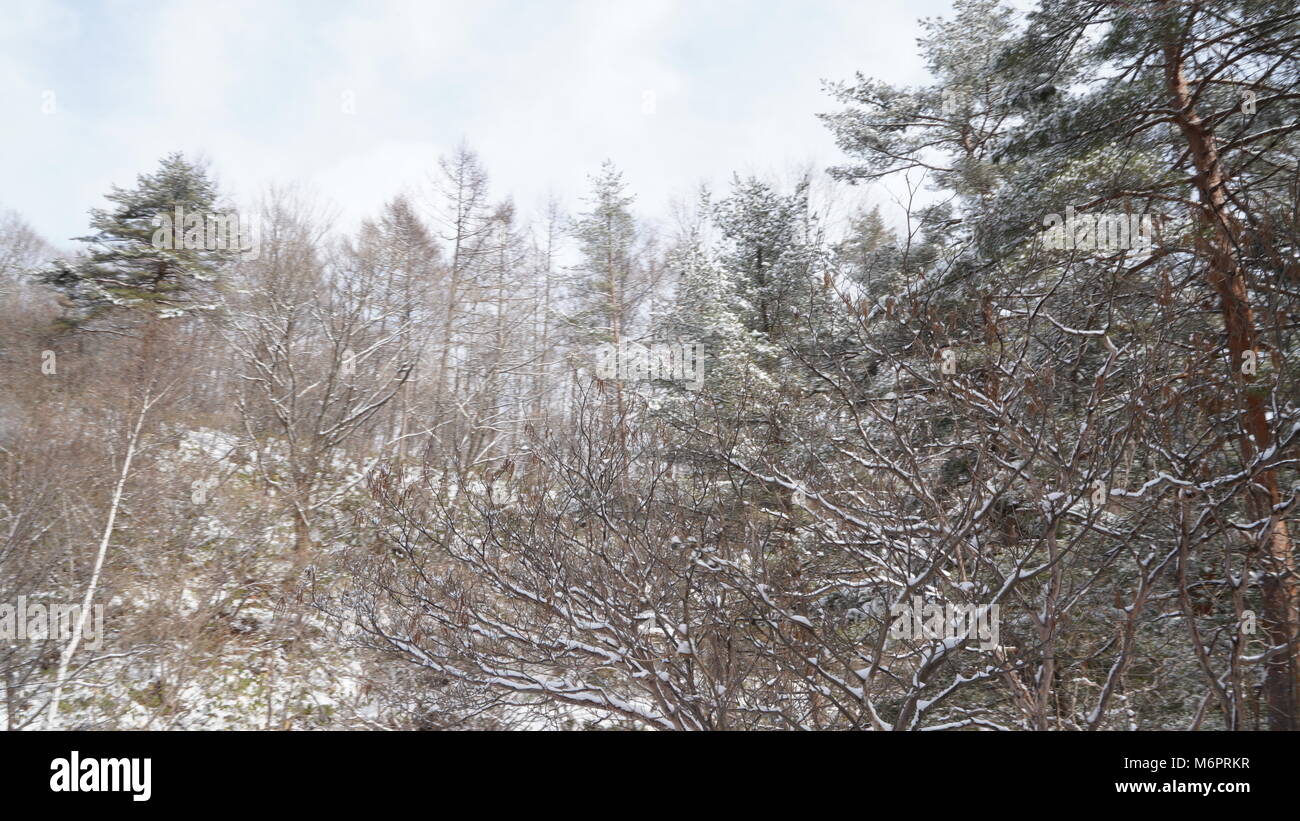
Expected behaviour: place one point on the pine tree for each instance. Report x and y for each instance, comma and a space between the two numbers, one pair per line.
710, 309
139, 258
1127, 109
772, 252
606, 288
869, 253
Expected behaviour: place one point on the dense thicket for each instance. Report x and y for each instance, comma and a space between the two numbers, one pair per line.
379, 480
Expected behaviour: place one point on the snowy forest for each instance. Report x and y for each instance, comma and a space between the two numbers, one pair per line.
1013, 450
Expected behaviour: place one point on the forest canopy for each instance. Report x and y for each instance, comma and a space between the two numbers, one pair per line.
1015, 451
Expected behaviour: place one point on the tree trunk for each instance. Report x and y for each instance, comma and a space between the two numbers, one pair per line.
75, 640
1276, 557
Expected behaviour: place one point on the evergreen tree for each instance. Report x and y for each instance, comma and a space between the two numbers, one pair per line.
710, 308
869, 254
138, 258
772, 252
606, 288
1117, 109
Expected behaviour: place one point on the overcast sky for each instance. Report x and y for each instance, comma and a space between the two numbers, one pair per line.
674, 92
